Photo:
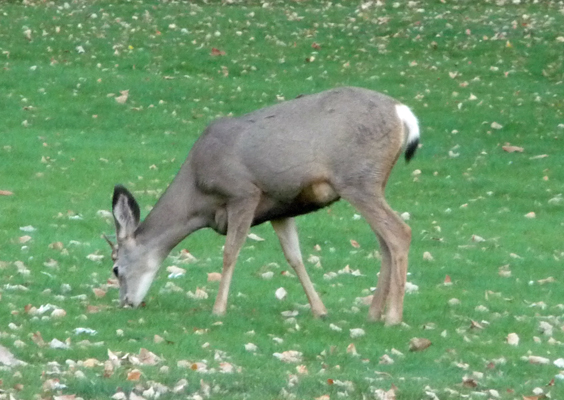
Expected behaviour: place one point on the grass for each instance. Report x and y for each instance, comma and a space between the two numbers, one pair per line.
461, 66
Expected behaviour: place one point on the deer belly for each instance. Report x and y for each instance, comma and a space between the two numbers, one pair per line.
311, 198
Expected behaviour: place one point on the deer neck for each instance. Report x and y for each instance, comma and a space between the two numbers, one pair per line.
173, 218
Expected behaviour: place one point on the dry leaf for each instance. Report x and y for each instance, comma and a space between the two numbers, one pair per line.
214, 277
251, 347
226, 368
91, 363
58, 313
530, 215
538, 360
99, 293
495, 125
513, 339
280, 293
37, 339
134, 375
290, 356
217, 52
254, 237
447, 281
419, 344
427, 256
356, 332
550, 279
123, 98
351, 349
65, 397
386, 360
302, 370
175, 272
512, 149
92, 309
355, 244
8, 359
200, 294
5, 193
469, 383
187, 257
24, 239
148, 358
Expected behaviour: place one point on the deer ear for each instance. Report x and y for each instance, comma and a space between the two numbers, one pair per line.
126, 212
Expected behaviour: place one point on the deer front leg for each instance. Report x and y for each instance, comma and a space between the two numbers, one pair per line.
239, 218
288, 236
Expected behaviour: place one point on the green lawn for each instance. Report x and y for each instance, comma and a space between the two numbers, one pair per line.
478, 74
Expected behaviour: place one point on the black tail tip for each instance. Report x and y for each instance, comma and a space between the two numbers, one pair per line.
411, 149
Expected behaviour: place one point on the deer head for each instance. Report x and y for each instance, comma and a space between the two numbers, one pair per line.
134, 266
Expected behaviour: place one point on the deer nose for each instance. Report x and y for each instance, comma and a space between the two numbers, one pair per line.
116, 272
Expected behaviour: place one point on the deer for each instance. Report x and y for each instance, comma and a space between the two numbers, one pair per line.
272, 165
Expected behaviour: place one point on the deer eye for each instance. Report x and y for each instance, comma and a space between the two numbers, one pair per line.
116, 273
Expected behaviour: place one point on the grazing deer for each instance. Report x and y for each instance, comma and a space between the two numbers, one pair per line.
272, 165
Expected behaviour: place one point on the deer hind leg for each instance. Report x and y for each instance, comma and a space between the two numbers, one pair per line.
240, 215
383, 288
288, 236
394, 236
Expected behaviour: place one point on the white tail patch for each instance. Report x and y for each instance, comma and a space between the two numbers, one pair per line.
410, 120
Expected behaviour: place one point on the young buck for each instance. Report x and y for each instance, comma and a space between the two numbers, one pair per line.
272, 165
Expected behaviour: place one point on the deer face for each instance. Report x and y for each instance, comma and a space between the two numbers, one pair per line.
133, 266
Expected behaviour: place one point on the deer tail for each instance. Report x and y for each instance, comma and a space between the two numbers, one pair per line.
410, 122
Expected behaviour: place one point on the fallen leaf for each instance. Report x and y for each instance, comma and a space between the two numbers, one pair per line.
5, 193
495, 125
355, 244
175, 272
530, 215
214, 277
550, 279
351, 349
134, 375
58, 313
538, 360
24, 239
123, 98
7, 358
386, 360
199, 294
469, 383
356, 332
512, 149
217, 52
419, 344
148, 358
226, 368
99, 293
289, 356
91, 363
254, 237
37, 339
280, 293
513, 339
